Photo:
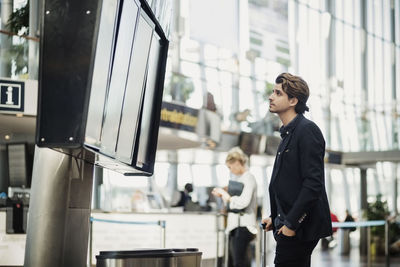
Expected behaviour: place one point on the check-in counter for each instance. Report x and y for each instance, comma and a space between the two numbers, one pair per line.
182, 230
112, 231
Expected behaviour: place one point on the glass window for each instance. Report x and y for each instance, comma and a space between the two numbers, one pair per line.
387, 27
371, 70
384, 172
189, 49
339, 9
351, 129
245, 94
378, 22
358, 68
344, 130
260, 68
317, 110
398, 74
222, 175
195, 98
338, 202
211, 54
374, 185
161, 173
357, 12
257, 171
201, 175
353, 180
184, 175
387, 75
348, 12
211, 75
228, 62
334, 134
190, 69
378, 72
397, 21
315, 4
245, 67
226, 93
374, 131
349, 66
370, 16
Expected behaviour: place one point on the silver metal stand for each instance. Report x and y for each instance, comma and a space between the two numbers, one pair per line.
263, 248
58, 223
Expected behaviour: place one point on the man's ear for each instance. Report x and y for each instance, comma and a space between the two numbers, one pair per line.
293, 101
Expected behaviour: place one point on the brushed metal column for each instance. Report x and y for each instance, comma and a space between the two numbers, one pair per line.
58, 223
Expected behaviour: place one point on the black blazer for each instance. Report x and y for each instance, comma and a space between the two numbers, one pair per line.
297, 187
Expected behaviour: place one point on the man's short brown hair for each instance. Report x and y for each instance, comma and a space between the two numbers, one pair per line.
295, 86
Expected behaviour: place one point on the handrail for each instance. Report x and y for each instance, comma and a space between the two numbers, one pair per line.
358, 224
35, 39
161, 223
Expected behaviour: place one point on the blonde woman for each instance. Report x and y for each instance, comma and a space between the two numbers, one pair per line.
241, 206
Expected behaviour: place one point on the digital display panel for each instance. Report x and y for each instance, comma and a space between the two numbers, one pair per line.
134, 89
119, 75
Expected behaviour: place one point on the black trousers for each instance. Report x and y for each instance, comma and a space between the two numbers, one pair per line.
291, 252
239, 240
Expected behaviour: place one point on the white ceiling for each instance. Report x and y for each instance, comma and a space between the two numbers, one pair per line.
18, 129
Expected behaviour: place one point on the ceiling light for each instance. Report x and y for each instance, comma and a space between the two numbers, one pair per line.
7, 137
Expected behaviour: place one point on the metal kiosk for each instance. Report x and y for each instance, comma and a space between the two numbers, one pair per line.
101, 78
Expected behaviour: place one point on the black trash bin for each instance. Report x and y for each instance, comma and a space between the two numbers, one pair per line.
188, 257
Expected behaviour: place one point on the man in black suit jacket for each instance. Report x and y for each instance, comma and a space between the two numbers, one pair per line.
300, 213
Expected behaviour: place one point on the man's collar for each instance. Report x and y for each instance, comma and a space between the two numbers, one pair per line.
285, 130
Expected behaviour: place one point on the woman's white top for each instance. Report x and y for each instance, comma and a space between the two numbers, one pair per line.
248, 201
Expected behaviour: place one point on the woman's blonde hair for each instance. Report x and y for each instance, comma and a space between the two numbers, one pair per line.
236, 154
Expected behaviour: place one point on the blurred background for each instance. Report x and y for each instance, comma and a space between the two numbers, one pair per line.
224, 56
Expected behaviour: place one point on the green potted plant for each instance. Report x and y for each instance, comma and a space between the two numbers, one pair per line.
377, 210
180, 87
18, 23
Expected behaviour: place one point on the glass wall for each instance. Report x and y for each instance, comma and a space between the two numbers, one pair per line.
19, 48
348, 52
236, 76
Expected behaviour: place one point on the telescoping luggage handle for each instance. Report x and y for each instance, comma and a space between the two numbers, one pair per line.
263, 245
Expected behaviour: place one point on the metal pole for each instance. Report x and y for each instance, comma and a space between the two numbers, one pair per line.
226, 256
90, 243
258, 247
217, 225
364, 207
162, 225
263, 248
369, 246
387, 243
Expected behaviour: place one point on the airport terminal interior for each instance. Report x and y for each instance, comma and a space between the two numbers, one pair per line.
116, 118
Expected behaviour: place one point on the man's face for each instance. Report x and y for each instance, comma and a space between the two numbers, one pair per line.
279, 101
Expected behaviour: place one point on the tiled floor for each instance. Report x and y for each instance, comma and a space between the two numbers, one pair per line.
332, 258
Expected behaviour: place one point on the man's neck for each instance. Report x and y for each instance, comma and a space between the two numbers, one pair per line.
287, 116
